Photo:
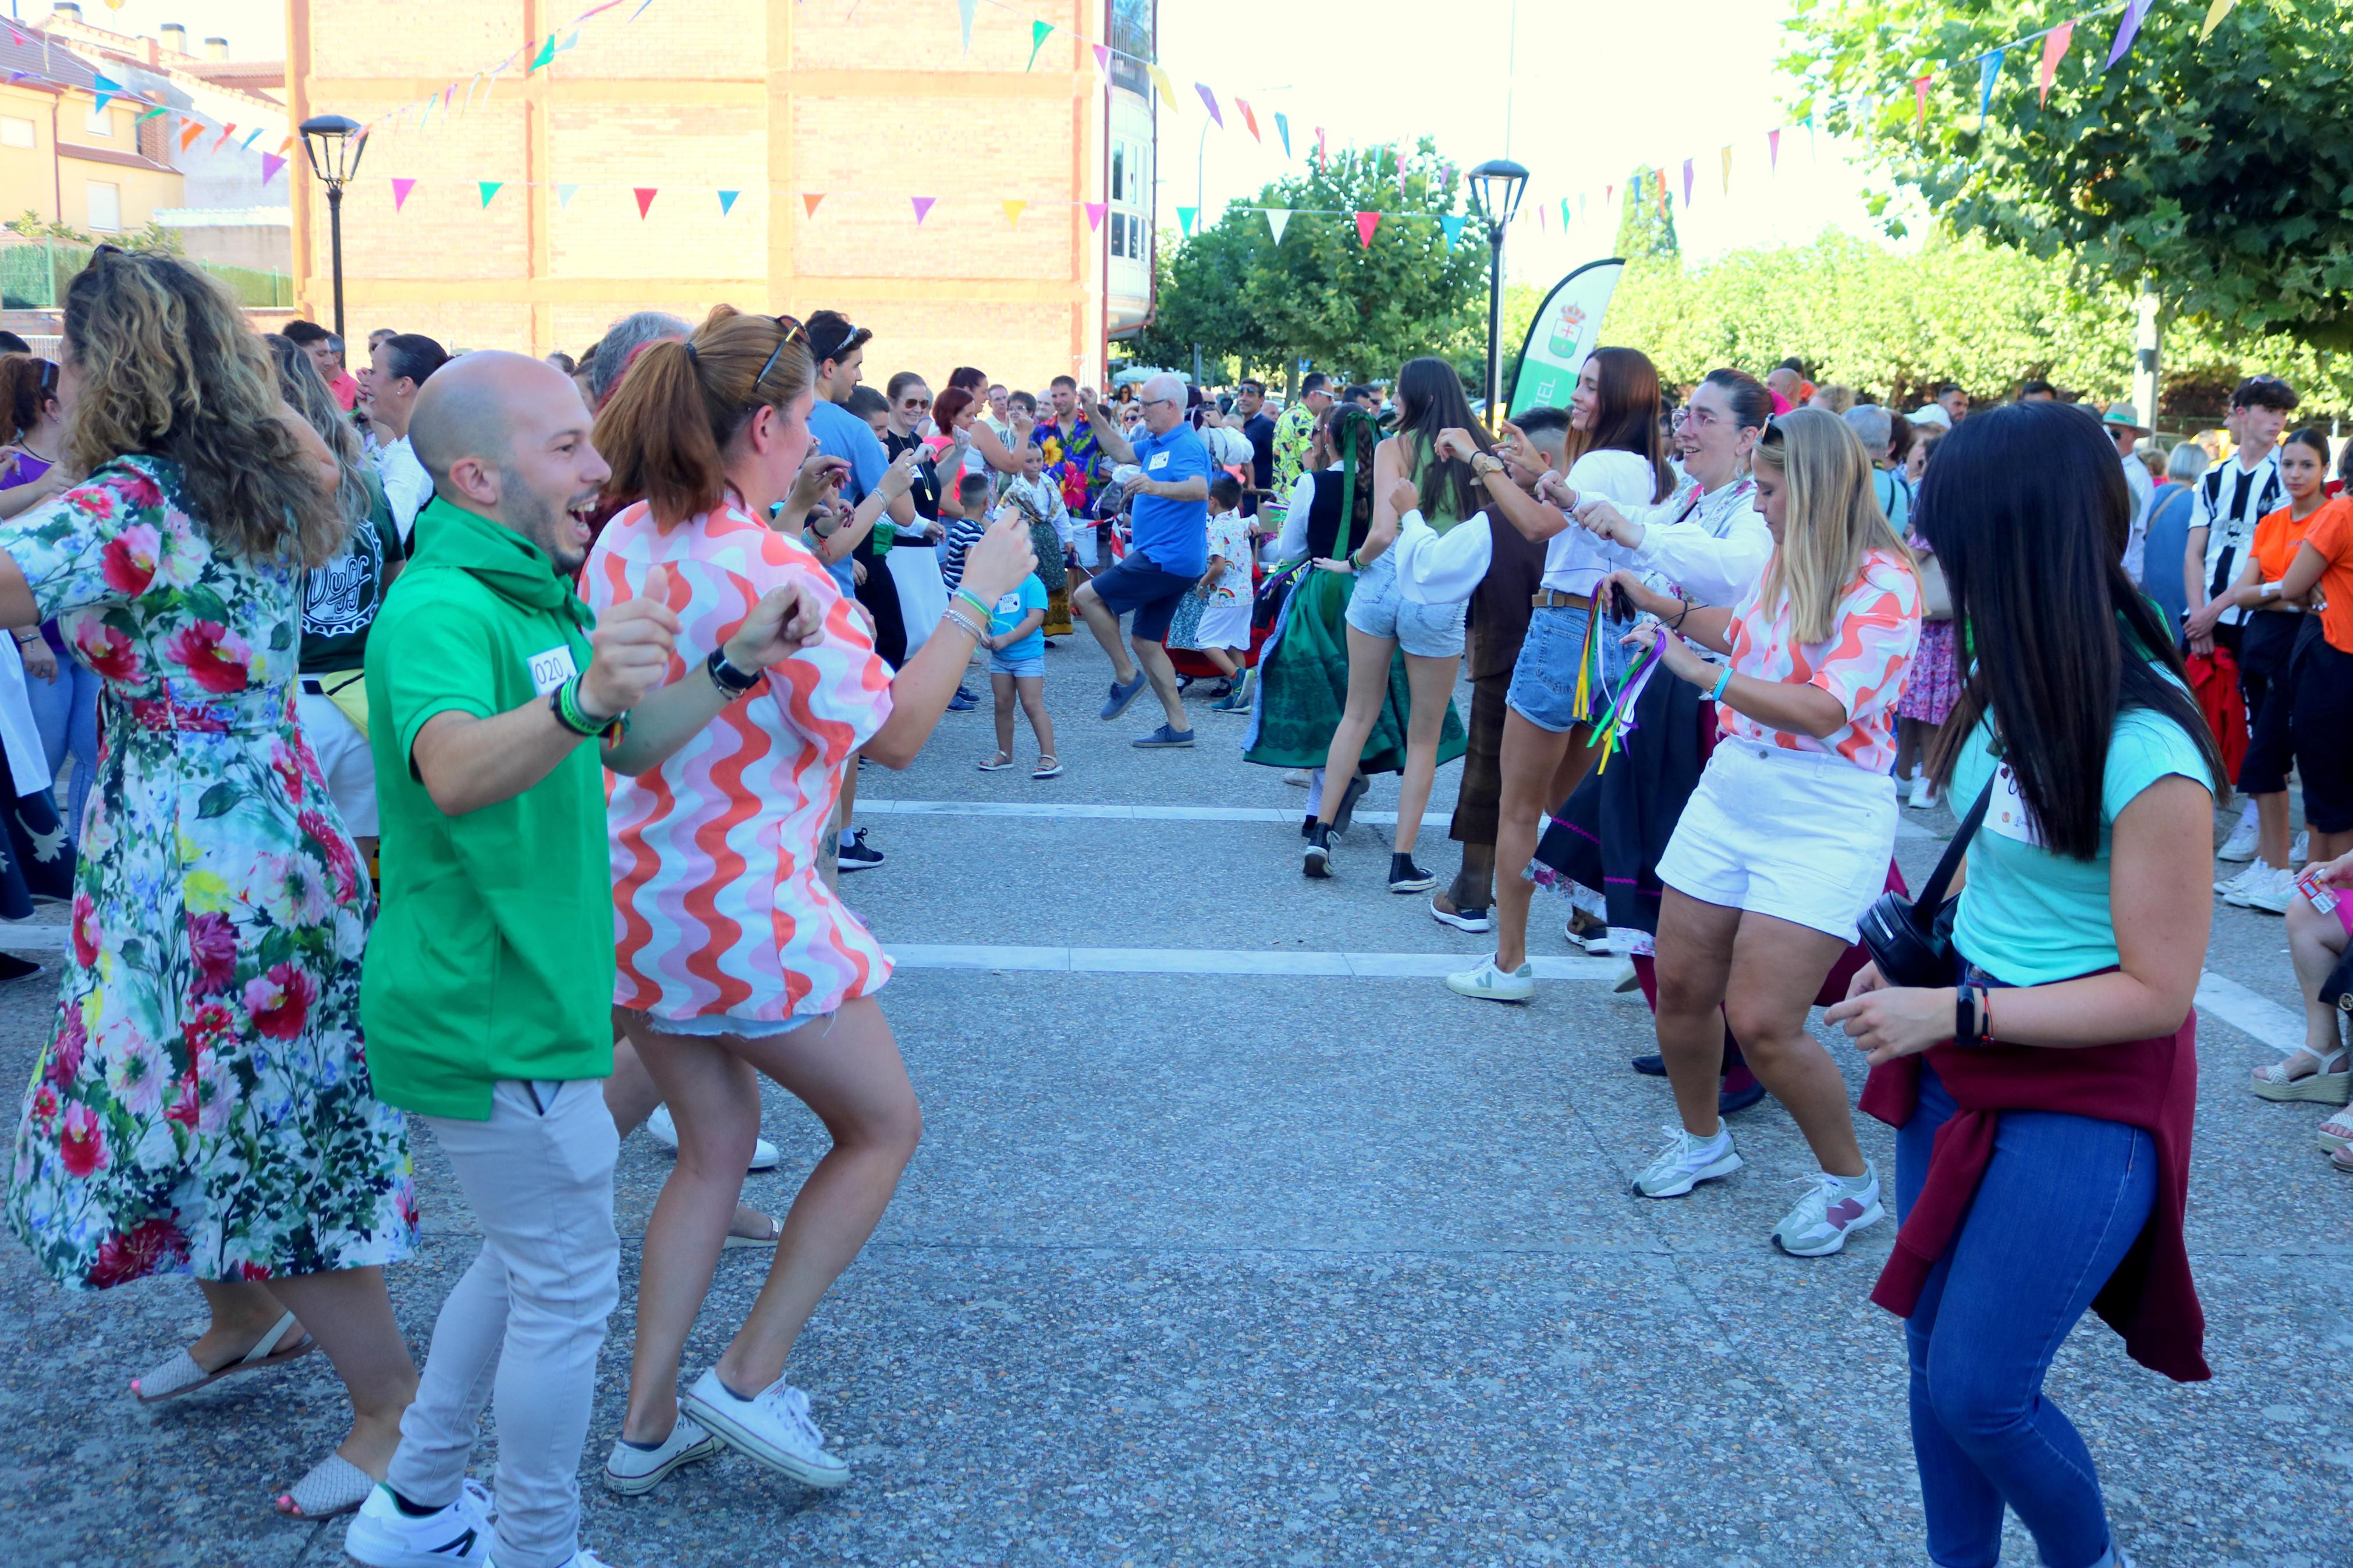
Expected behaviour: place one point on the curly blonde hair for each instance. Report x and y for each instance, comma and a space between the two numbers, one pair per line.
169, 369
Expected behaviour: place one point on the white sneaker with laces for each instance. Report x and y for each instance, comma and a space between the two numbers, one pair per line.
2272, 892
2300, 851
1831, 1210
2229, 887
1492, 984
631, 1470
1924, 792
2241, 845
772, 1427
663, 1128
1686, 1162
384, 1536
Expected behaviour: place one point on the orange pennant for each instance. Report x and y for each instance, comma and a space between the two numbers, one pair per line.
189, 132
810, 200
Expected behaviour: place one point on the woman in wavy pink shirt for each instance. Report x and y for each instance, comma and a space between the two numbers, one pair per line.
735, 959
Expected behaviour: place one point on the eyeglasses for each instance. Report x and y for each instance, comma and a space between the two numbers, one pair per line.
914, 403
793, 329
1150, 400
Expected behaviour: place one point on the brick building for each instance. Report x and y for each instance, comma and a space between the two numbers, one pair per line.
867, 106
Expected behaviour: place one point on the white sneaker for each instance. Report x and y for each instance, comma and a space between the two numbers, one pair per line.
383, 1536
2230, 887
665, 1132
1493, 984
1593, 940
1686, 1162
1296, 776
1831, 1211
2300, 851
2241, 845
772, 1427
1924, 792
631, 1470
2271, 893
584, 1557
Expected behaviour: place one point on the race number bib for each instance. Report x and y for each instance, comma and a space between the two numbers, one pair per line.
2005, 813
552, 668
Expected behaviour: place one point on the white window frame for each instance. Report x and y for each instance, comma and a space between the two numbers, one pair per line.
17, 132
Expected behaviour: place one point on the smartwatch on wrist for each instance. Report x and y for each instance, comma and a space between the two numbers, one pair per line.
732, 682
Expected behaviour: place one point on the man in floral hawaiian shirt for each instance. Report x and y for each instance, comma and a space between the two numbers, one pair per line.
1073, 461
1295, 428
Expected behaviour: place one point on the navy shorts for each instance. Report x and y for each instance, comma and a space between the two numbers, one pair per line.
1136, 584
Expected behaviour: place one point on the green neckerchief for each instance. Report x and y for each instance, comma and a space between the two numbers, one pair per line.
448, 534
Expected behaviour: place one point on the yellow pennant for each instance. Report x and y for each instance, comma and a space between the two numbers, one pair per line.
1013, 214
1160, 81
2214, 14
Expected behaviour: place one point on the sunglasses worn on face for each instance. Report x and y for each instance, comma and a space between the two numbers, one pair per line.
914, 403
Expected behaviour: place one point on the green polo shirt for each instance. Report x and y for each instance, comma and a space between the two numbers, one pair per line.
493, 957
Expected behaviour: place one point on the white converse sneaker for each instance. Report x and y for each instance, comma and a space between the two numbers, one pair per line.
383, 1535
2299, 852
584, 1557
1493, 984
2229, 888
2241, 845
663, 1128
772, 1427
1924, 791
1686, 1162
2272, 892
630, 1470
1831, 1210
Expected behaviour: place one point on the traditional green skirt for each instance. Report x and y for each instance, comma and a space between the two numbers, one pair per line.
1303, 688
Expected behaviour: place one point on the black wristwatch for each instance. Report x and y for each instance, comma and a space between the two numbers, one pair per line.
732, 682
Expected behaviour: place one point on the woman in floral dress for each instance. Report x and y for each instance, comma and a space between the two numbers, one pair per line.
204, 1105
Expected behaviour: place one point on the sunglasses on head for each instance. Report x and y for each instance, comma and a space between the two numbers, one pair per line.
1771, 434
794, 332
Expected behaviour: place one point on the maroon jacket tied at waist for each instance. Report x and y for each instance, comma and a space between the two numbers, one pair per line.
2151, 1084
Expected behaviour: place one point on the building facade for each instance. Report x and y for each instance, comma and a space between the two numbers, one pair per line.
525, 222
67, 158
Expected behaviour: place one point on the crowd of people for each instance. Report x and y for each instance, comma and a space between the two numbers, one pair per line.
481, 737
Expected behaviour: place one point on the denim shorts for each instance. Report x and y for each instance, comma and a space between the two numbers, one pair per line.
1544, 680
1032, 664
1377, 609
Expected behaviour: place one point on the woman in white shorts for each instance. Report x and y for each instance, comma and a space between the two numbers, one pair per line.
1785, 841
1382, 621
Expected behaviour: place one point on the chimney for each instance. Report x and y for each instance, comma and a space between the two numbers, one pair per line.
68, 9
176, 37
215, 48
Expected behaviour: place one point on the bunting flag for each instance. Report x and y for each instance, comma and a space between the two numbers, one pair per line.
1687, 184
270, 163
1544, 219
562, 196
1727, 168
107, 89
1249, 119
2054, 50
1184, 217
1096, 211
571, 40
1103, 60
964, 14
1988, 70
1013, 213
250, 137
808, 203
1212, 100
547, 56
2127, 29
151, 114
227, 131
1920, 85
490, 188
1166, 88
189, 132
1282, 129
727, 201
1278, 219
2214, 14
1038, 32
1608, 195
1773, 151
1365, 224
645, 194
923, 209
1320, 160
1453, 227
400, 189
1564, 215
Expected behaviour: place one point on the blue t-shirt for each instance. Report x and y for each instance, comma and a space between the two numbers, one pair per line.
841, 433
2029, 917
1173, 535
1007, 613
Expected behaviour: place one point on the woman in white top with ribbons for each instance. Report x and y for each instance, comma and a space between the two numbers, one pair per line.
1561, 683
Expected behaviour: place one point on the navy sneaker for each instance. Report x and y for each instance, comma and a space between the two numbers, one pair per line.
1163, 739
1122, 694
853, 855
1342, 818
1729, 1099
962, 702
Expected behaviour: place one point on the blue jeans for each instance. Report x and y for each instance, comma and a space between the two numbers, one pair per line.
65, 710
2061, 1202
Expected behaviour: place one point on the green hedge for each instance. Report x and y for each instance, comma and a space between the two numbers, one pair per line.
33, 276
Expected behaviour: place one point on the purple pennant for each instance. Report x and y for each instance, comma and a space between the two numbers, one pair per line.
1212, 100
923, 209
2128, 29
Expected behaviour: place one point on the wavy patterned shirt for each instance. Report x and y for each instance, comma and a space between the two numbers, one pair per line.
717, 905
1863, 665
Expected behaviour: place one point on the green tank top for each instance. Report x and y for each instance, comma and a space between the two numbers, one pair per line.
1441, 517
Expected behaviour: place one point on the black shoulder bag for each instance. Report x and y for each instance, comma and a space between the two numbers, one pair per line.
1911, 942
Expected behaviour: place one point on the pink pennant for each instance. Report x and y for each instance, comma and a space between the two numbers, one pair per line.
1319, 147
400, 189
1773, 149
226, 130
1608, 195
1920, 85
645, 194
1365, 224
270, 163
2054, 50
1249, 119
1103, 60
923, 209
1096, 211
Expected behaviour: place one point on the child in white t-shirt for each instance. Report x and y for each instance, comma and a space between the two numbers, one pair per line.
1215, 618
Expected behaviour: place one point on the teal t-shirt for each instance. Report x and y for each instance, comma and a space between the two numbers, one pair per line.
2029, 917
1030, 595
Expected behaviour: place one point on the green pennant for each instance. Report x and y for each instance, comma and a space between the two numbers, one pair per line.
490, 189
546, 53
1038, 33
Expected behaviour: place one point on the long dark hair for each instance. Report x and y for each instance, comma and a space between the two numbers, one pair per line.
1626, 416
1429, 399
2027, 510
1355, 433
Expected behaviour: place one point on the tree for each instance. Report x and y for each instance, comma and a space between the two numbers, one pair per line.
2221, 172
1355, 308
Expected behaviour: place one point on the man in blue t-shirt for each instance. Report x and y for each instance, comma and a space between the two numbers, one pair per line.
1167, 556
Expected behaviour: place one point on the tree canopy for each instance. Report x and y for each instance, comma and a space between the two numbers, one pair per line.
2221, 171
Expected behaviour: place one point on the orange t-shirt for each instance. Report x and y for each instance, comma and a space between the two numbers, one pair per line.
2330, 532
2276, 538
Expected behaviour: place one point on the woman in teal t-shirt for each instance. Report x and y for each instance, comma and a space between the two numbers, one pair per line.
2064, 1043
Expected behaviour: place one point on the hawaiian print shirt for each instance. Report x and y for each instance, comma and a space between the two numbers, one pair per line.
1292, 433
1075, 462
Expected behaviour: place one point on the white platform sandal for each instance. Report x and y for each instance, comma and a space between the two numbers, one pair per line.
2331, 1085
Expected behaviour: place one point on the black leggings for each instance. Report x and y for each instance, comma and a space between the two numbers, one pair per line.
2321, 722
2266, 646
880, 594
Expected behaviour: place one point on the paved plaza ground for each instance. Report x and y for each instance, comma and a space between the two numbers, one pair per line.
1236, 1239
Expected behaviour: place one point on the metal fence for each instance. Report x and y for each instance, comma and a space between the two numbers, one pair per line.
34, 275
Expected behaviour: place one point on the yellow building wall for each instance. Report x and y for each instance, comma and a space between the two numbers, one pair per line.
36, 179
768, 97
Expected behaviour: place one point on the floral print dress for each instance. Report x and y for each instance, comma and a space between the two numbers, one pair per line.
204, 1105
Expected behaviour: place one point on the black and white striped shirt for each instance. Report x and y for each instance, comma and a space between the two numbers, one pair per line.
2231, 498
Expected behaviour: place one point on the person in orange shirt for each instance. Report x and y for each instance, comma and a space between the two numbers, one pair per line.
2267, 652
2321, 717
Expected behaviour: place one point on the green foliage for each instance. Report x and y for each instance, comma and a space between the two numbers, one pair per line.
154, 236
2222, 172
1646, 225
1893, 325
1356, 312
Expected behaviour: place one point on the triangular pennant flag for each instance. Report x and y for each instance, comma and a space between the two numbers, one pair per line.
547, 56
1184, 217
1564, 215
1920, 85
727, 201
1212, 100
1102, 58
1989, 71
923, 209
1282, 129
1038, 35
645, 194
490, 188
1278, 219
1096, 211
106, 89
400, 189
189, 132
1453, 227
1167, 89
808, 202
1250, 120
2054, 50
964, 14
1727, 170
270, 163
1013, 213
563, 195
288, 145
227, 131
2214, 14
1608, 195
1365, 224
2127, 29
1773, 151
151, 113
1544, 219
570, 39
250, 137
1320, 159
1688, 183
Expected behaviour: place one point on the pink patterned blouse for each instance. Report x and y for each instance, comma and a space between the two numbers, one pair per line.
1863, 665
718, 906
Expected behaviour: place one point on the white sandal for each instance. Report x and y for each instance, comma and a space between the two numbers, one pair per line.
180, 1373
2337, 1132
2325, 1087
335, 1485
998, 762
775, 1234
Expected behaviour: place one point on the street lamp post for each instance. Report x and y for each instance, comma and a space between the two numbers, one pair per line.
1496, 186
334, 145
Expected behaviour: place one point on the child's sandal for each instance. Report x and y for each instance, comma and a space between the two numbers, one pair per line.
1049, 766
998, 762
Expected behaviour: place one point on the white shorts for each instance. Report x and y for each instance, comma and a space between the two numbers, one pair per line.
343, 758
1804, 837
1224, 625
